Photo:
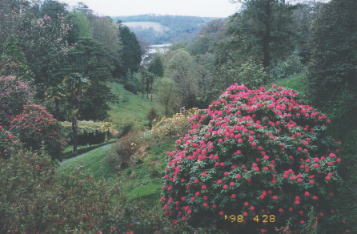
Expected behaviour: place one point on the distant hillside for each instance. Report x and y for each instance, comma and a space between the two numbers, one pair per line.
161, 29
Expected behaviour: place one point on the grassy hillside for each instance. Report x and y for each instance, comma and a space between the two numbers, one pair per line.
296, 82
141, 181
131, 108
92, 161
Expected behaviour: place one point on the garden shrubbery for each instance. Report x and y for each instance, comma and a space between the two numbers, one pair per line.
172, 127
8, 143
36, 128
33, 199
14, 94
89, 132
120, 155
255, 152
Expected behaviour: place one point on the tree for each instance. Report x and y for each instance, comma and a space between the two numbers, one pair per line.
12, 14
81, 27
90, 59
262, 31
131, 51
74, 87
210, 34
332, 73
156, 67
106, 32
167, 95
210, 87
148, 81
44, 44
13, 61
181, 69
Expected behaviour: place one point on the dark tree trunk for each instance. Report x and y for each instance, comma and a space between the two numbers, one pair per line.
267, 37
75, 134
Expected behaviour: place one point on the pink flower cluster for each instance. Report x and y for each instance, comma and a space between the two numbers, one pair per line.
252, 152
35, 126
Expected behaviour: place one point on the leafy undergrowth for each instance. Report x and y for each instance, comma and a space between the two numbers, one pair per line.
130, 108
143, 182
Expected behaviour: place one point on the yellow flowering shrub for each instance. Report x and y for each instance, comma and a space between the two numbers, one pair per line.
89, 132
174, 126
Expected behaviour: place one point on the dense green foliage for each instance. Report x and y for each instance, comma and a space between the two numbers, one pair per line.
131, 50
261, 31
332, 72
156, 66
43, 42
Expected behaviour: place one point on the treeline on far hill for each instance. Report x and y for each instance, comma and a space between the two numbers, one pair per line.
173, 28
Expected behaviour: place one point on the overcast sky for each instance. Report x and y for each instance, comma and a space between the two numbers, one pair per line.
213, 8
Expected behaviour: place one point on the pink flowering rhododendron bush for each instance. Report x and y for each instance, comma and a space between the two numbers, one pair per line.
13, 95
254, 152
35, 127
8, 143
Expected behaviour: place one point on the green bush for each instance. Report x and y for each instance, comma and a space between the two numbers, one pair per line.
254, 153
120, 156
33, 200
89, 132
252, 74
8, 143
291, 66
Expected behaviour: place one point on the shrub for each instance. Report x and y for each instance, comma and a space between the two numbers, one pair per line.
252, 74
33, 199
89, 132
152, 115
291, 66
13, 95
122, 151
8, 143
173, 127
36, 128
254, 152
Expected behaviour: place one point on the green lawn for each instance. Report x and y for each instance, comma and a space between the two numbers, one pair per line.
141, 182
296, 82
92, 161
131, 108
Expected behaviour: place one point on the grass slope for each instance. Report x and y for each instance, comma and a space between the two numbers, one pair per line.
143, 182
296, 82
131, 108
139, 182
92, 161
